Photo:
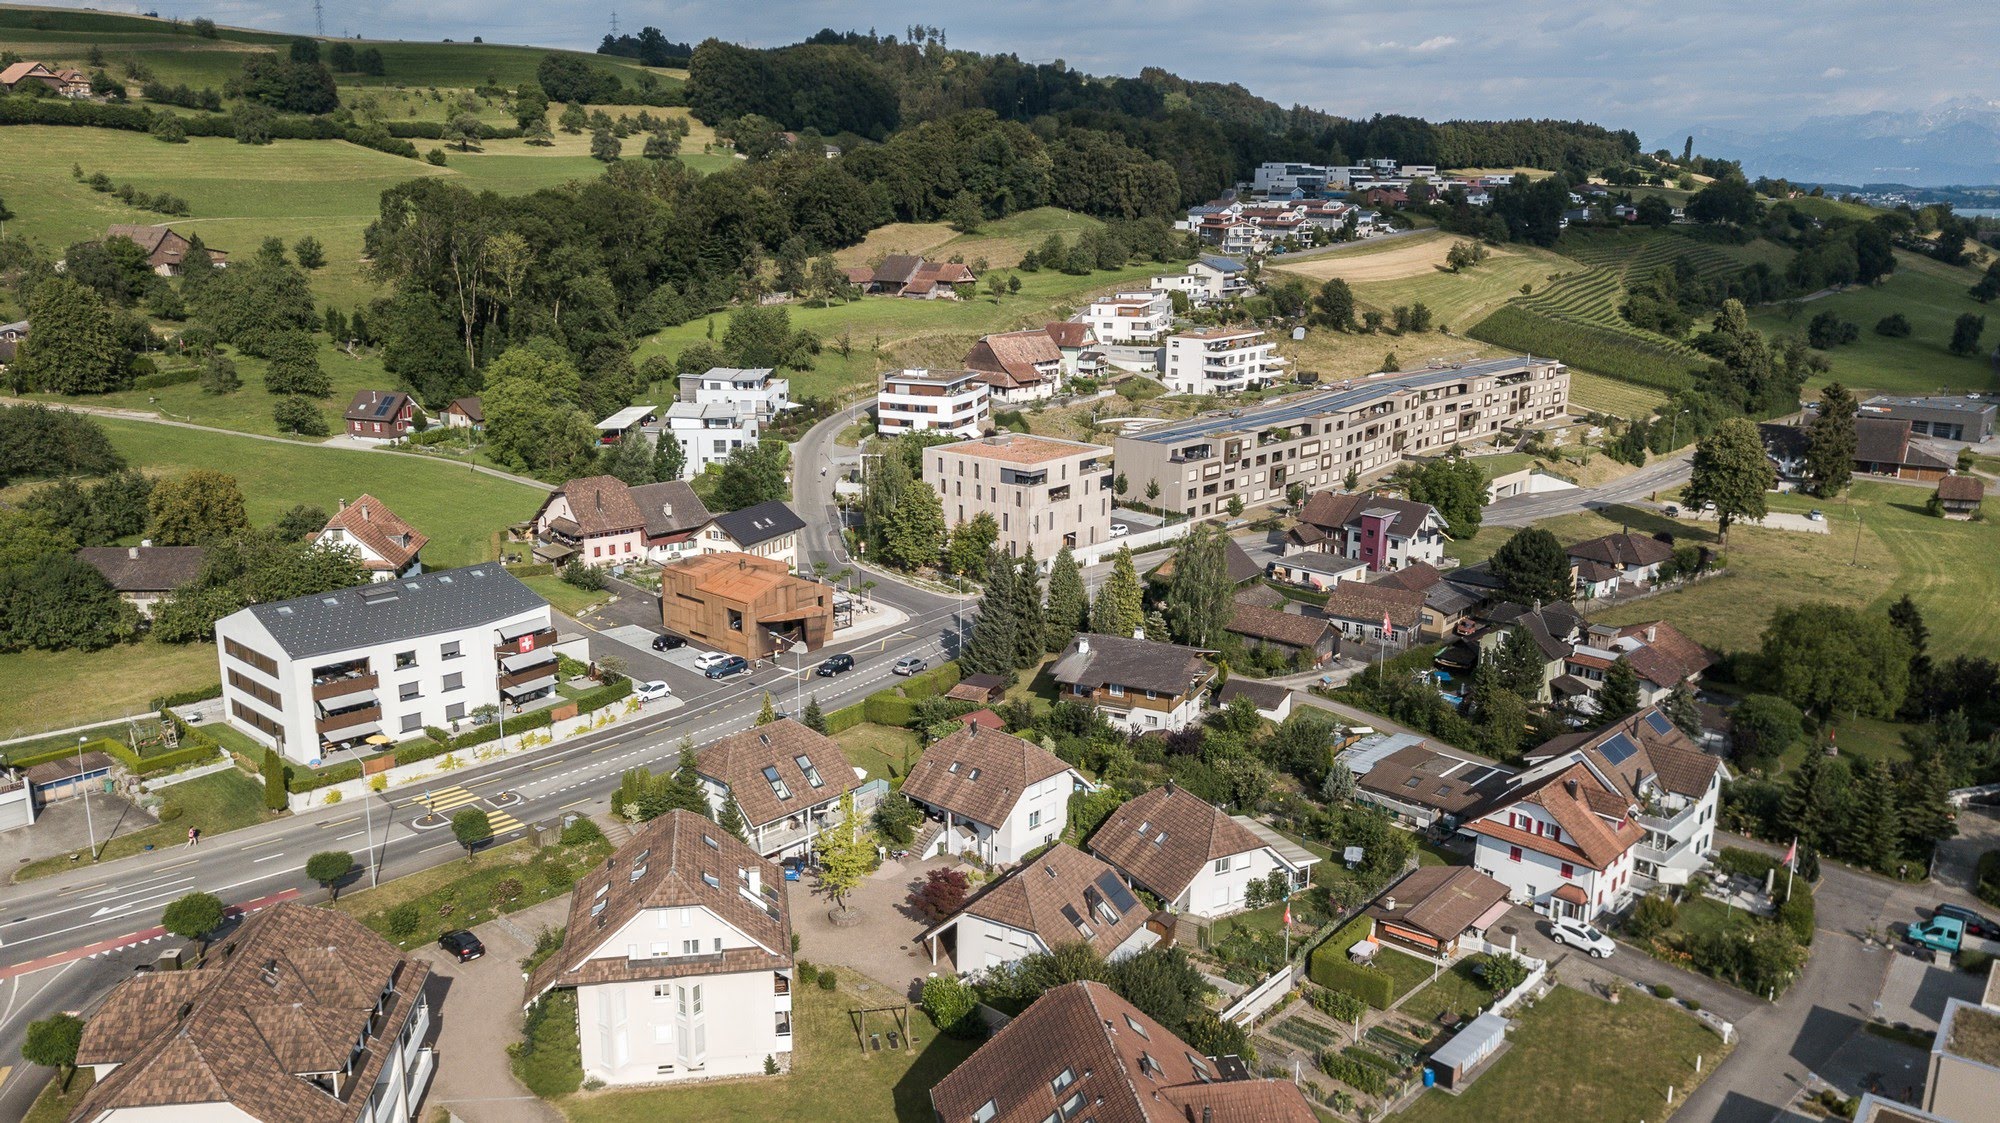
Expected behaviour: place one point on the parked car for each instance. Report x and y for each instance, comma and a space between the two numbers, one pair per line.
1816, 515
908, 665
1571, 932
1941, 933
1673, 511
1975, 924
462, 944
652, 691
709, 659
1120, 530
667, 641
728, 665
835, 665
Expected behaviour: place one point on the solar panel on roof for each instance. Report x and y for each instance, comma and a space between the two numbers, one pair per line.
1619, 749
1121, 897
1659, 723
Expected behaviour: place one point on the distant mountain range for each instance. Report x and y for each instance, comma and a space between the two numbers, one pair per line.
1955, 143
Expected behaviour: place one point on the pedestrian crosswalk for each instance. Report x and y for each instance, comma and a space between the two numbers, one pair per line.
445, 801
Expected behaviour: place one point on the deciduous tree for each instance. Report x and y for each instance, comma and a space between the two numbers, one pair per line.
471, 827
196, 508
330, 868
72, 349
1731, 471
1828, 658
845, 854
194, 916
52, 1042
1200, 600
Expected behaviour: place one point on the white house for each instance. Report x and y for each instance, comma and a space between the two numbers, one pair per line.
769, 530
1021, 367
787, 781
1139, 316
1061, 897
758, 388
1138, 685
307, 674
1209, 279
997, 795
679, 951
389, 547
954, 402
1220, 361
1192, 855
709, 431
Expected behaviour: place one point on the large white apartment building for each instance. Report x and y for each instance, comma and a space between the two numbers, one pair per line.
679, 951
1256, 454
954, 402
722, 410
1044, 493
758, 388
1220, 361
311, 673
1140, 316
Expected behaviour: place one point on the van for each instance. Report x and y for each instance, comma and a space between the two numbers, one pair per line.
1940, 933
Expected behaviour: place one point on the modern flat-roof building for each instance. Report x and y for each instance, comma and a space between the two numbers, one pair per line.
1315, 439
1943, 418
722, 410
1044, 493
1220, 361
1138, 316
744, 604
759, 388
392, 657
955, 402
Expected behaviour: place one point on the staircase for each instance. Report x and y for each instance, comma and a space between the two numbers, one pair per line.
926, 839
616, 830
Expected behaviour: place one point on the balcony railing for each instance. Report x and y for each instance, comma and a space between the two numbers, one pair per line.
349, 719
347, 684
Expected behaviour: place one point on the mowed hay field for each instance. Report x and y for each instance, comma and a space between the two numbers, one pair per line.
1931, 295
1001, 241
1375, 259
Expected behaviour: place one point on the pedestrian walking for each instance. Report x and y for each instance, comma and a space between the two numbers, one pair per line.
194, 836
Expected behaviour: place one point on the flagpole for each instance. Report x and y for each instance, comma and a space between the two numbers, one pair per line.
1791, 866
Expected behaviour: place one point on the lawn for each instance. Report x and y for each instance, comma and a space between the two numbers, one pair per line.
1463, 299
831, 1079
58, 689
1334, 355
1408, 971
1457, 990
1931, 295
1617, 1063
216, 804
55, 1105
882, 751
563, 596
1700, 916
462, 893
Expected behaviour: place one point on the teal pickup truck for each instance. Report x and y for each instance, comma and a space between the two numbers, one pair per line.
1940, 933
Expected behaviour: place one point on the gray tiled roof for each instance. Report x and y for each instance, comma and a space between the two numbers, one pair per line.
387, 611
761, 523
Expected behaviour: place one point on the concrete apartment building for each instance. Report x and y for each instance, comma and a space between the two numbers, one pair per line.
1220, 361
1966, 419
722, 410
1314, 439
311, 673
1043, 492
679, 949
1137, 316
955, 402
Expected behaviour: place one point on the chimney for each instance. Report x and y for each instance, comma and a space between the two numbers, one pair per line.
364, 512
1082, 643
132, 552
1652, 630
343, 505
667, 509
1571, 787
1388, 904
1207, 1114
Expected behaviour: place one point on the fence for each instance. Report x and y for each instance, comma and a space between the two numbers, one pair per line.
1138, 542
172, 778
1262, 997
1538, 970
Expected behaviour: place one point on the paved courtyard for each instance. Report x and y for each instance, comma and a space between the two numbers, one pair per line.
61, 828
884, 946
1914, 991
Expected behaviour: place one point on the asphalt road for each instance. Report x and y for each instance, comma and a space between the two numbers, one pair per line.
1665, 475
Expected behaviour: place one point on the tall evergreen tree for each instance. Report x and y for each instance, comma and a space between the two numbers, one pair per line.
1909, 620
1830, 442
1199, 601
995, 640
1924, 800
1030, 633
731, 818
1680, 709
813, 718
1068, 609
1807, 802
1522, 667
1871, 831
1618, 698
669, 459
1120, 608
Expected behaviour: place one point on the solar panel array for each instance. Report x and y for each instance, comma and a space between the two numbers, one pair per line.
1658, 721
1618, 749
1114, 889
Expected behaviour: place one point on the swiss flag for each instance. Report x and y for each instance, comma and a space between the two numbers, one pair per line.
1388, 629
1792, 854
1288, 914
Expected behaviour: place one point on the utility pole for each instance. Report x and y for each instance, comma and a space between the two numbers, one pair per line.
88, 824
319, 19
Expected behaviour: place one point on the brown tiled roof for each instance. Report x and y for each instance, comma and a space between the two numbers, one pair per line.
377, 405
1440, 900
1069, 334
1365, 604
145, 569
1015, 354
1182, 833
1136, 664
1443, 783
738, 761
1626, 549
1415, 577
600, 505
1881, 440
1033, 896
150, 237
1328, 510
1289, 628
680, 853
1962, 488
978, 688
1667, 754
471, 408
1260, 596
1127, 1068
379, 528
1241, 566
669, 508
1587, 839
289, 994
979, 773
1672, 652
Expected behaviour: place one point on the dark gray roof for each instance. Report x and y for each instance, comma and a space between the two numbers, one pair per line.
145, 569
1450, 599
761, 523
1264, 695
1222, 264
1136, 664
656, 500
388, 611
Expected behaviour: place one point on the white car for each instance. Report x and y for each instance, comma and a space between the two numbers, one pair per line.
1572, 932
652, 691
1119, 530
708, 659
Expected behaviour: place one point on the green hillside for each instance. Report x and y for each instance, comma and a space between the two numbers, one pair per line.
1931, 295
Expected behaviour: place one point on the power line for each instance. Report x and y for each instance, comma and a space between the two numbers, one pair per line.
614, 23
319, 19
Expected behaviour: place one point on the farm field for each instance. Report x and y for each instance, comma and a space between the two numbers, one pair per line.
1463, 299
1931, 295
1336, 355
1589, 391
1000, 241
1375, 259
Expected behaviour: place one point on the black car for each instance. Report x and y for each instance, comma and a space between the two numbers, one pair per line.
836, 665
462, 944
667, 642
1975, 924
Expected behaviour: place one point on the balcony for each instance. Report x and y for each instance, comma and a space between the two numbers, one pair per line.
344, 685
345, 725
1058, 494
536, 641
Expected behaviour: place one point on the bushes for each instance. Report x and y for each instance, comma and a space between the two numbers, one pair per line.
1987, 884
1330, 968
1655, 913
188, 697
951, 1006
884, 708
1795, 912
549, 1057
166, 378
1362, 1077
846, 718
544, 569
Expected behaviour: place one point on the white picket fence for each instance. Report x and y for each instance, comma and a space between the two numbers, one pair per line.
1262, 997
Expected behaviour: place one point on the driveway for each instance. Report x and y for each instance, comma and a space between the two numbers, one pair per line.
478, 1015
1958, 857
884, 946
1626, 965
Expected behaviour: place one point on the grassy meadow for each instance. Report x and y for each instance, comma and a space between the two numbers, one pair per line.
1931, 295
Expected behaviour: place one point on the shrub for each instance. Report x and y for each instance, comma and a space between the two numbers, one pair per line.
951, 1006
1795, 912
1691, 1004
169, 811
1987, 885
1663, 991
806, 972
403, 920
583, 832
828, 979
1655, 913
1347, 1070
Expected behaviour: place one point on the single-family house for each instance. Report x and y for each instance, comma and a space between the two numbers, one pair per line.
1434, 907
1446, 605
997, 796
1555, 628
1315, 638
745, 605
674, 516
165, 249
952, 402
679, 950
11, 336
1192, 855
787, 781
1063, 896
1242, 569
389, 547
1273, 702
912, 276
1883, 446
143, 575
1208, 279
591, 518
1382, 531
1661, 655
1375, 614
465, 413
1960, 497
1081, 1052
768, 530
1020, 366
380, 416
1419, 783
299, 1014
1131, 317
1138, 685
1312, 569
1078, 345
19, 77
1600, 566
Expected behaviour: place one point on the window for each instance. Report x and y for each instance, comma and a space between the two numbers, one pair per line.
455, 711
718, 944
454, 681
984, 1113
449, 651
662, 991
1034, 819
1222, 865
697, 999
784, 1023
1513, 853
1569, 871
777, 783
405, 659
690, 947
412, 722
408, 691
812, 774
1114, 690
1137, 1028
1063, 1079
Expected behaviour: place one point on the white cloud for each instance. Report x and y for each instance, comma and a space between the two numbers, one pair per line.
1436, 43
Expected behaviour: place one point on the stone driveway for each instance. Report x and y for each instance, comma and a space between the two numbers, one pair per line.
1914, 991
1626, 965
478, 1014
884, 946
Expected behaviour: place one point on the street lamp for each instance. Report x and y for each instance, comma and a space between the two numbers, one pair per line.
81, 741
798, 669
379, 740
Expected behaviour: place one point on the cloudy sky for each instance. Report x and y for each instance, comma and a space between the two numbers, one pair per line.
1655, 67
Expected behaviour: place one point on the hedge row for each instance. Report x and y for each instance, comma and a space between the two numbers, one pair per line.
933, 682
66, 752
434, 130
192, 751
1372, 985
189, 697
884, 708
166, 378
541, 569
846, 717
86, 114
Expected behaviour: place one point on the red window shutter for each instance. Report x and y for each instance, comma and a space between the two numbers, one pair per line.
1569, 871
1514, 853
